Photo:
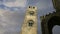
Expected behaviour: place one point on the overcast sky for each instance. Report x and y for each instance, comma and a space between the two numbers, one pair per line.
12, 14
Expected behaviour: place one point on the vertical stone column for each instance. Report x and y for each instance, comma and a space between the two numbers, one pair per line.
56, 4
30, 22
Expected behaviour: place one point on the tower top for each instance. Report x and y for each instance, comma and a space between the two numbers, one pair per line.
32, 8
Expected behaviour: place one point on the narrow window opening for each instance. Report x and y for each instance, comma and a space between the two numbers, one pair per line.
31, 12
30, 23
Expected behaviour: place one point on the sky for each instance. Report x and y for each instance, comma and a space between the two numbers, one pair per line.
12, 14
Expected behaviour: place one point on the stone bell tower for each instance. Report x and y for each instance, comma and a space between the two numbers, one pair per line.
30, 22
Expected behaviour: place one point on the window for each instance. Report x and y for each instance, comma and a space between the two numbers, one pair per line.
31, 12
30, 23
